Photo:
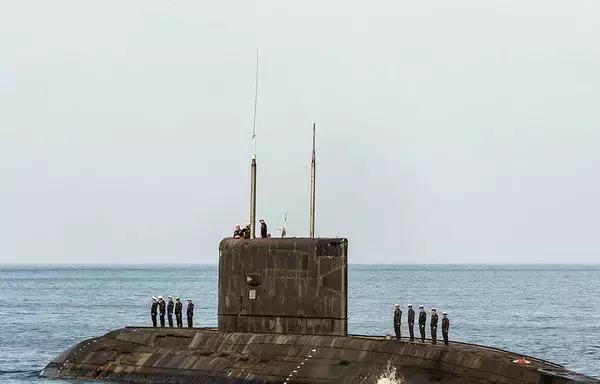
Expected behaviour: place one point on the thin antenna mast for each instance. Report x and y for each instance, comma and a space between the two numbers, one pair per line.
313, 166
284, 230
255, 104
253, 164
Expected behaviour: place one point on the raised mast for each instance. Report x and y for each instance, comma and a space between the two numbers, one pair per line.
253, 164
313, 166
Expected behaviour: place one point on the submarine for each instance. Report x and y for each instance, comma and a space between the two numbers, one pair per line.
283, 319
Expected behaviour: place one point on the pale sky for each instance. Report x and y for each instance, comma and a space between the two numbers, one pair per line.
447, 131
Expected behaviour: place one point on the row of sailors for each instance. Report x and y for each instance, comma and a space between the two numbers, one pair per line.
244, 233
422, 320
159, 305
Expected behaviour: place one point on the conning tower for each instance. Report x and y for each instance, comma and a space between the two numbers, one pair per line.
284, 285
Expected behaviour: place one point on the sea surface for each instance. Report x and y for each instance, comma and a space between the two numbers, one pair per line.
550, 312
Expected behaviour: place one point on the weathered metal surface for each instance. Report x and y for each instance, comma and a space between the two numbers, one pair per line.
284, 285
168, 355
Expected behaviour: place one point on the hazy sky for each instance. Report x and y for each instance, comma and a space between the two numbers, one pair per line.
447, 131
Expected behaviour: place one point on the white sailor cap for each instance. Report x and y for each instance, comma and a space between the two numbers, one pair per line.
188, 299
153, 298
169, 297
420, 306
159, 297
409, 305
396, 305
444, 313
177, 298
434, 310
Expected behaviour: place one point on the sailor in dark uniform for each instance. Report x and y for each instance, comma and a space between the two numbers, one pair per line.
162, 310
411, 322
170, 306
154, 311
422, 320
445, 327
397, 319
263, 229
246, 231
178, 310
433, 324
190, 313
238, 233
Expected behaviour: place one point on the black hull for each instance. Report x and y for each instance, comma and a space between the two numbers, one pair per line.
196, 355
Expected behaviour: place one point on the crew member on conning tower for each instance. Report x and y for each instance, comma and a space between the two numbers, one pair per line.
237, 232
397, 319
445, 327
154, 311
263, 229
422, 320
190, 313
433, 324
411, 322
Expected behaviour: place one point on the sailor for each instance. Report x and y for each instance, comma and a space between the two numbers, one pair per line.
154, 311
190, 313
445, 327
397, 319
170, 306
161, 307
422, 320
237, 233
178, 310
411, 322
263, 229
246, 231
433, 325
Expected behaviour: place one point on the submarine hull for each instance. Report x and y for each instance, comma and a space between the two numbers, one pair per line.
203, 355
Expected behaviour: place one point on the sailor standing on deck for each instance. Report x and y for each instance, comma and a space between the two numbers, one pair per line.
178, 310
445, 327
154, 311
162, 310
434, 321
411, 322
422, 320
263, 229
397, 319
190, 313
170, 306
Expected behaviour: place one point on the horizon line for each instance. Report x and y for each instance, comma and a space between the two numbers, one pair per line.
147, 265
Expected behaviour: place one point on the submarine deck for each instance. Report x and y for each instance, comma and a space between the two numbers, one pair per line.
205, 355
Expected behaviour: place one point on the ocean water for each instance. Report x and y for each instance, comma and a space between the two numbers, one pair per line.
550, 312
